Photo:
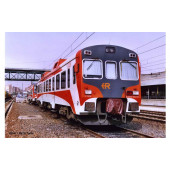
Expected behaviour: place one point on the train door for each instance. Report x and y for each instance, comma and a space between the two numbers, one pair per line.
74, 90
53, 91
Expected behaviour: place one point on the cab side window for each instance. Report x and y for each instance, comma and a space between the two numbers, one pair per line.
47, 86
58, 82
53, 84
63, 80
74, 76
68, 78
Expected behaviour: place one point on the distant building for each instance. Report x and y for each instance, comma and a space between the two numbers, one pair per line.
9, 89
153, 86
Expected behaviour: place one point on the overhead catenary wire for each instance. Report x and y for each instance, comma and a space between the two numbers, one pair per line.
149, 42
75, 47
153, 65
152, 49
80, 44
67, 48
153, 62
71, 44
153, 57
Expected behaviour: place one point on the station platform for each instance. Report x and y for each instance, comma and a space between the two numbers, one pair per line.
158, 105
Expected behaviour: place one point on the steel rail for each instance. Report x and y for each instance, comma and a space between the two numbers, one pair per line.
98, 135
135, 132
148, 118
8, 108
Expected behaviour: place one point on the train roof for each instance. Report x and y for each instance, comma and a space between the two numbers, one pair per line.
107, 45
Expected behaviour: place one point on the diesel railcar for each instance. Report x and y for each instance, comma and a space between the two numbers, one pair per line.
98, 86
32, 93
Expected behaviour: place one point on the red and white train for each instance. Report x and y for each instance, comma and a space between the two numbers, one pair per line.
100, 85
32, 93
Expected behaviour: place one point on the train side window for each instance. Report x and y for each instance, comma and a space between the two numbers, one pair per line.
40, 88
49, 84
53, 84
35, 89
68, 82
63, 80
74, 76
110, 70
44, 86
57, 82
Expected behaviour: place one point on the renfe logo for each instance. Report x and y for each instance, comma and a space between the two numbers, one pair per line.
106, 85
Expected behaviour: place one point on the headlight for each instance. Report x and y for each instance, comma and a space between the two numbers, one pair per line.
88, 92
132, 93
89, 106
135, 93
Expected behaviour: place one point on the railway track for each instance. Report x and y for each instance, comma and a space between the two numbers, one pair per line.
7, 108
108, 131
151, 115
117, 132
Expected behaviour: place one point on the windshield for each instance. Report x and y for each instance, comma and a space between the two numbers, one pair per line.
110, 70
128, 70
92, 68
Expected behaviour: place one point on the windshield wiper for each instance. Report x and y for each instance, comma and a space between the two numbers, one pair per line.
90, 65
130, 63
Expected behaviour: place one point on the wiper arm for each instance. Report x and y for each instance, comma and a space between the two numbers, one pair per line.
90, 65
130, 63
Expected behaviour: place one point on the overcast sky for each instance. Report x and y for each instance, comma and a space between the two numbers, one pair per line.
39, 50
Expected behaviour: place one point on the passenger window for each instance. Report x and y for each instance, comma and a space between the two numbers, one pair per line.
57, 82
41, 87
53, 84
63, 80
74, 76
49, 84
68, 82
44, 86
35, 89
110, 70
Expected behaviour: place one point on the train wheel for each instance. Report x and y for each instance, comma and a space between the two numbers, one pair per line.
68, 116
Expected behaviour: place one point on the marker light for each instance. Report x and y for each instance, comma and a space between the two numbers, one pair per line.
87, 52
129, 93
88, 92
110, 50
132, 55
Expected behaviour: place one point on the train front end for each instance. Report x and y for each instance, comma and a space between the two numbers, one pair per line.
108, 81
